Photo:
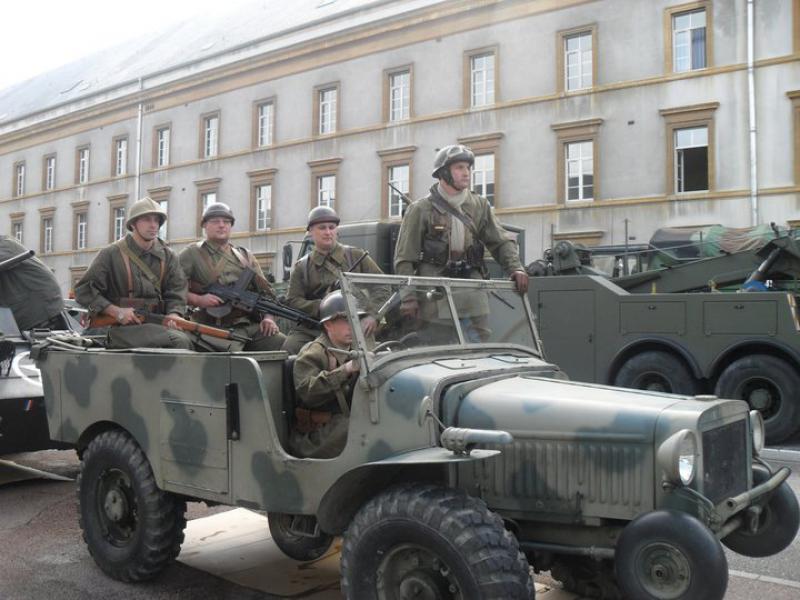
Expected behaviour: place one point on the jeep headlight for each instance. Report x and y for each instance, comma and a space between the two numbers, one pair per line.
757, 431
677, 457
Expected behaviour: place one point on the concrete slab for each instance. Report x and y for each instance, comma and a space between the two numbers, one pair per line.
11, 472
236, 545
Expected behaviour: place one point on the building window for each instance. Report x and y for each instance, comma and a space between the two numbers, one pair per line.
210, 146
265, 123
578, 61
207, 199
482, 79
118, 216
399, 95
19, 179
162, 231
691, 159
579, 164
82, 166
689, 40
326, 190
120, 158
47, 234
16, 231
327, 108
49, 175
162, 146
483, 176
263, 208
399, 178
207, 194
81, 220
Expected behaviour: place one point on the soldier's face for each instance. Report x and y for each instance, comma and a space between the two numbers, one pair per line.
339, 331
147, 227
218, 229
324, 235
462, 175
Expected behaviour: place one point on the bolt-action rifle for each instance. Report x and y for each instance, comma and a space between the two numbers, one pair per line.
182, 324
403, 196
237, 296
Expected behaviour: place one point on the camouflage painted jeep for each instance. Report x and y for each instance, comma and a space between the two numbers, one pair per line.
468, 459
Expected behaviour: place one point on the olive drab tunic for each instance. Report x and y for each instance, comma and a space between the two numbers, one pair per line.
325, 390
111, 279
203, 264
312, 277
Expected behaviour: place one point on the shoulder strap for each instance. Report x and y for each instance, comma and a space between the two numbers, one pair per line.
127, 262
442, 204
128, 257
238, 253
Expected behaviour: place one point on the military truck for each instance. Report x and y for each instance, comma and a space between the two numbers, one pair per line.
467, 460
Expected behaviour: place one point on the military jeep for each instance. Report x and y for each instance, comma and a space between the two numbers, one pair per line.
469, 459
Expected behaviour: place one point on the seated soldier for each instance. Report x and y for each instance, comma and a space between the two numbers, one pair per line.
324, 379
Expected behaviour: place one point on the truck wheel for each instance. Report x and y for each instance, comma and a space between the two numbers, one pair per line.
777, 524
296, 546
133, 529
670, 555
431, 542
768, 384
656, 371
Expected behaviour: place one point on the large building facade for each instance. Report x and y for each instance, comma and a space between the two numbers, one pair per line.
588, 118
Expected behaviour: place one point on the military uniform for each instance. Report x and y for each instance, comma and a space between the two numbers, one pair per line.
204, 264
116, 277
313, 276
29, 289
325, 391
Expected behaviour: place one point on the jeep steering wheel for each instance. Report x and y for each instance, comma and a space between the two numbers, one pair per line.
28, 373
402, 343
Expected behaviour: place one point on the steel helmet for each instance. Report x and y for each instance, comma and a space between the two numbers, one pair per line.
322, 214
449, 155
217, 209
334, 306
145, 206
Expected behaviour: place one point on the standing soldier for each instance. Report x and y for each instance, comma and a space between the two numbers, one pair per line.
445, 234
137, 272
216, 260
317, 273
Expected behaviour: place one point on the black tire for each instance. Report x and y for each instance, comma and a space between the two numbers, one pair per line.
297, 547
656, 371
133, 529
586, 577
769, 385
670, 554
435, 542
777, 524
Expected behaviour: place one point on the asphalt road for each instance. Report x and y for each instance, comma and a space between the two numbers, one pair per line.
42, 554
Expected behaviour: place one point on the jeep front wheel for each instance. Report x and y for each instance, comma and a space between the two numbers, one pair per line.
669, 555
432, 543
133, 530
298, 536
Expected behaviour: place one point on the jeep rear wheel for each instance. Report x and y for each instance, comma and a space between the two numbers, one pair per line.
298, 536
431, 543
656, 371
133, 530
669, 555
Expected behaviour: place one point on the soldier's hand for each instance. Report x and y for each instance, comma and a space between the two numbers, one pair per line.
209, 300
268, 326
169, 320
521, 279
368, 325
352, 366
127, 316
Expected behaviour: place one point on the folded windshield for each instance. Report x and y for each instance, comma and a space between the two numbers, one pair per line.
414, 314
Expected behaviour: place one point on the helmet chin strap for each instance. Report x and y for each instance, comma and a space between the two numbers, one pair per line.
447, 177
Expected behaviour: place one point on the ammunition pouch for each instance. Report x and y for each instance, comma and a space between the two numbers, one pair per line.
307, 420
435, 251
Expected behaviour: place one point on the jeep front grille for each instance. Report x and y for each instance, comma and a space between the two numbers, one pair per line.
725, 461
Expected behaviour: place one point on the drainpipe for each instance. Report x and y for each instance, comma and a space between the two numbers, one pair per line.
751, 100
139, 144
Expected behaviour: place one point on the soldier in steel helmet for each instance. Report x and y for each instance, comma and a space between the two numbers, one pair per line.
317, 273
215, 260
445, 234
324, 380
137, 272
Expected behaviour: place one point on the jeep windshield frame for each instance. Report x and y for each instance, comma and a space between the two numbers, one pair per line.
420, 313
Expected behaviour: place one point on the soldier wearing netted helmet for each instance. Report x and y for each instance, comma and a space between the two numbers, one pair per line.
137, 272
317, 273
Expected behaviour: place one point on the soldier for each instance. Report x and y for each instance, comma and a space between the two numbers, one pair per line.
137, 272
317, 273
215, 259
445, 233
324, 381
30, 290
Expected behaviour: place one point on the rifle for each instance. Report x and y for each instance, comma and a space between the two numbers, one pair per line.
403, 196
10, 263
182, 324
239, 297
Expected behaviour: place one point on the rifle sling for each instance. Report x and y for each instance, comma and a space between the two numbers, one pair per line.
445, 206
128, 256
